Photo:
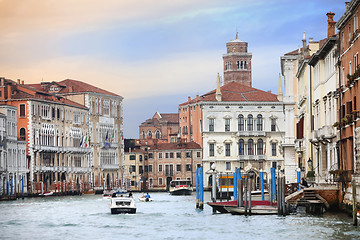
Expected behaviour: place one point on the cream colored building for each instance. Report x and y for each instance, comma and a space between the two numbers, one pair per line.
325, 97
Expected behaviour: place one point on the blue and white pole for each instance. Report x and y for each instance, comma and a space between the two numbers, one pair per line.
262, 185
273, 178
298, 174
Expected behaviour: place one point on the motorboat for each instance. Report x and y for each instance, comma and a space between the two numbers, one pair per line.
145, 199
180, 187
122, 205
46, 194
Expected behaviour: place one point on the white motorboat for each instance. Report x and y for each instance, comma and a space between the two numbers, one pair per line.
122, 205
145, 199
180, 187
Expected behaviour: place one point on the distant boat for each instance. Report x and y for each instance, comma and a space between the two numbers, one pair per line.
180, 187
145, 199
122, 205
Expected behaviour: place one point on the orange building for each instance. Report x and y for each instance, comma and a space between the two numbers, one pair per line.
349, 102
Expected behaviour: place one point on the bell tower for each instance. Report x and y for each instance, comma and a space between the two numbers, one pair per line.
237, 62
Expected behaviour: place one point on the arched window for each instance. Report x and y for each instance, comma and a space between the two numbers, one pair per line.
260, 147
150, 133
250, 123
241, 123
251, 147
259, 126
143, 134
22, 134
158, 135
241, 147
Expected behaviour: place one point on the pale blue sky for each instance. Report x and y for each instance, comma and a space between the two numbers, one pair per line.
153, 53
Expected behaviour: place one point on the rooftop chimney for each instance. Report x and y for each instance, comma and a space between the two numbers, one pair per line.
18, 81
331, 24
189, 99
218, 90
22, 82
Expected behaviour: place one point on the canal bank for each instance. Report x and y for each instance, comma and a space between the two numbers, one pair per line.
168, 217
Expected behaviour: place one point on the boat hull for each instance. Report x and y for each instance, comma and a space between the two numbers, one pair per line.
221, 206
123, 210
181, 192
256, 210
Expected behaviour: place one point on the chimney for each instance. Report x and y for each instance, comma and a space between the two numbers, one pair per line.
22, 82
18, 81
280, 93
331, 24
311, 40
70, 89
304, 48
218, 91
189, 99
2, 81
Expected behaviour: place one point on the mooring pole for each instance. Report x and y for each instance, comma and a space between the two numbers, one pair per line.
197, 188
246, 197
235, 185
273, 177
298, 174
353, 183
201, 204
283, 196
262, 185
241, 189
270, 192
250, 189
22, 187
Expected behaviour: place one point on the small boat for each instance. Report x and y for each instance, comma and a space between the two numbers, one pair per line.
180, 187
46, 194
222, 206
255, 210
120, 191
122, 205
145, 199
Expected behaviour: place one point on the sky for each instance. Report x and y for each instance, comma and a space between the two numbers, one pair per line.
154, 53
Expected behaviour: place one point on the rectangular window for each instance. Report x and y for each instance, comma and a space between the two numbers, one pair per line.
178, 167
150, 168
211, 125
132, 168
198, 154
166, 155
273, 125
188, 154
241, 165
228, 166
178, 155
106, 107
227, 125
188, 167
141, 169
22, 110
211, 149
151, 155
160, 181
273, 149
273, 165
160, 155
227, 149
160, 167
146, 168
171, 155
132, 157
140, 157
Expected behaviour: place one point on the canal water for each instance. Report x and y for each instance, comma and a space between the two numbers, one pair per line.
168, 217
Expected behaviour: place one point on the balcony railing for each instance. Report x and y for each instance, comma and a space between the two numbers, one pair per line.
250, 134
251, 157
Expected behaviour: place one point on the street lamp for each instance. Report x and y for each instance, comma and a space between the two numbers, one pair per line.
213, 177
310, 164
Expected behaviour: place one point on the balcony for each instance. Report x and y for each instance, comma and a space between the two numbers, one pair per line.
110, 166
252, 157
250, 134
326, 132
299, 145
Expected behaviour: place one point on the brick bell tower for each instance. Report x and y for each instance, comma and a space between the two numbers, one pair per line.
237, 62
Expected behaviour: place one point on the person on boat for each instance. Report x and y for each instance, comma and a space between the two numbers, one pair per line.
113, 195
130, 194
147, 197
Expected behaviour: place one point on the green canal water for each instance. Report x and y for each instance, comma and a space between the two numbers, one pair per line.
168, 217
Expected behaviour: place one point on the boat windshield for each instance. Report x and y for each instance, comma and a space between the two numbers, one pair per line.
122, 203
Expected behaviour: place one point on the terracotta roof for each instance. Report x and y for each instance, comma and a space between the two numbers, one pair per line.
236, 92
170, 117
79, 86
177, 145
